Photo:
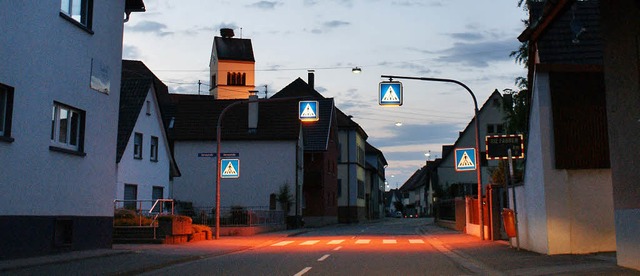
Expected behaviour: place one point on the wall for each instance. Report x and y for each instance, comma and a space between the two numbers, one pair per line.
621, 28
46, 58
264, 167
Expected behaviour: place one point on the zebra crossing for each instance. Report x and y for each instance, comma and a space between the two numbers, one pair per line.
346, 242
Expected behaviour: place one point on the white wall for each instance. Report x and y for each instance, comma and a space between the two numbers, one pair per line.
264, 167
143, 172
561, 211
47, 58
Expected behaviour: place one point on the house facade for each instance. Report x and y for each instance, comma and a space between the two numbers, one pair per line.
375, 181
580, 193
351, 171
144, 162
270, 152
59, 128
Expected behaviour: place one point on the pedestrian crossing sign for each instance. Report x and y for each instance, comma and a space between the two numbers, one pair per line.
390, 93
465, 159
308, 111
229, 168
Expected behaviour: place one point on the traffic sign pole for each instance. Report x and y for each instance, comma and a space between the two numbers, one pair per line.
478, 165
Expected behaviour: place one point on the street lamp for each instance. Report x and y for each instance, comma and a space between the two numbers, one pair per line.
477, 148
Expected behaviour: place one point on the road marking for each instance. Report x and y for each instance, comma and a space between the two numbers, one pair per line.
335, 242
282, 243
312, 242
337, 248
389, 241
303, 271
416, 241
323, 258
363, 241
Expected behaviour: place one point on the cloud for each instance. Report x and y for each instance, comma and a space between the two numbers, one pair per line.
150, 27
265, 5
478, 54
131, 52
330, 25
468, 36
420, 134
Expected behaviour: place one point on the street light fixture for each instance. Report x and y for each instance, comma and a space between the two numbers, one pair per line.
477, 127
356, 70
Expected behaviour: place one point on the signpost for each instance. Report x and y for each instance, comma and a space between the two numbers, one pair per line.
497, 146
214, 154
390, 93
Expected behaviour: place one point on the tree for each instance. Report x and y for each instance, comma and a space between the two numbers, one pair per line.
285, 198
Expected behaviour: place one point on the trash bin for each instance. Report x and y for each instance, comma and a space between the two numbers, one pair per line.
508, 218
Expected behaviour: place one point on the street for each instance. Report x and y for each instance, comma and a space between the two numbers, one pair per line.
391, 246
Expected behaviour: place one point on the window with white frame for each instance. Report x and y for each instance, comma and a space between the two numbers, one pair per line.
6, 110
137, 145
154, 149
80, 11
67, 127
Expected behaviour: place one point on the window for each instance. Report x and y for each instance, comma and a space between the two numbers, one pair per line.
148, 108
6, 109
339, 187
157, 192
130, 196
213, 81
495, 129
80, 11
67, 128
137, 145
154, 149
236, 79
360, 189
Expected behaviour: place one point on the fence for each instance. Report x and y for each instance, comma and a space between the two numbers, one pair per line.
238, 216
157, 208
446, 209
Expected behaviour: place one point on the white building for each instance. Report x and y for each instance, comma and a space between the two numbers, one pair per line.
60, 81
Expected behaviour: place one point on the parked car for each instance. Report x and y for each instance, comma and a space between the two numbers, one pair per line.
411, 213
398, 214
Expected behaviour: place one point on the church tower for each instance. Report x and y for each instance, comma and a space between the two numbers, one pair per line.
232, 67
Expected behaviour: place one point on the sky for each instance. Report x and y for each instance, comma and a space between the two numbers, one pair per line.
466, 40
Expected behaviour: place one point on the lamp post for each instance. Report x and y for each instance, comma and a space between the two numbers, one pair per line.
477, 148
218, 140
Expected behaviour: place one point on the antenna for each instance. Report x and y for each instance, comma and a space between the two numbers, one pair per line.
266, 95
240, 32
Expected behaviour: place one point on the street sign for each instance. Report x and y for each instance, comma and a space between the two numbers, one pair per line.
465, 159
308, 111
390, 93
229, 168
497, 146
214, 154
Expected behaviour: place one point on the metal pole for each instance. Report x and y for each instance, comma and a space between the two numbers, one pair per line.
477, 119
513, 193
218, 139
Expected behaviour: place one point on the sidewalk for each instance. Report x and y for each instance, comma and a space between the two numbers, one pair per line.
498, 258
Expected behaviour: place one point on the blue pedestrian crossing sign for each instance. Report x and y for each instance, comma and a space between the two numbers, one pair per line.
229, 168
308, 111
390, 93
465, 159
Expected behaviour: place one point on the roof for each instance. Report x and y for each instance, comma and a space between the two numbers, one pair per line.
566, 32
373, 150
229, 48
316, 134
421, 177
196, 117
137, 80
134, 6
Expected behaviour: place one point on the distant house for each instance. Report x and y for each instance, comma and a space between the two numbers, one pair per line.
59, 95
374, 181
566, 203
320, 157
268, 147
415, 189
232, 66
392, 199
145, 165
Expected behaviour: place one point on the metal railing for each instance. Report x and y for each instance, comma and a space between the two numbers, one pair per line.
162, 206
238, 216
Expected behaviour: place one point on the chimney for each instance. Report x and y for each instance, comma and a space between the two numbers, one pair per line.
226, 33
311, 78
253, 111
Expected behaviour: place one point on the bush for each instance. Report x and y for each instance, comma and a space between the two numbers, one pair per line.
176, 218
197, 228
123, 217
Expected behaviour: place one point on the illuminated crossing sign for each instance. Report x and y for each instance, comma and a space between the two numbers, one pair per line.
229, 168
465, 159
390, 93
308, 111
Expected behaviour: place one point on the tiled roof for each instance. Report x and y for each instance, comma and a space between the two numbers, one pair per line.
233, 49
196, 117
